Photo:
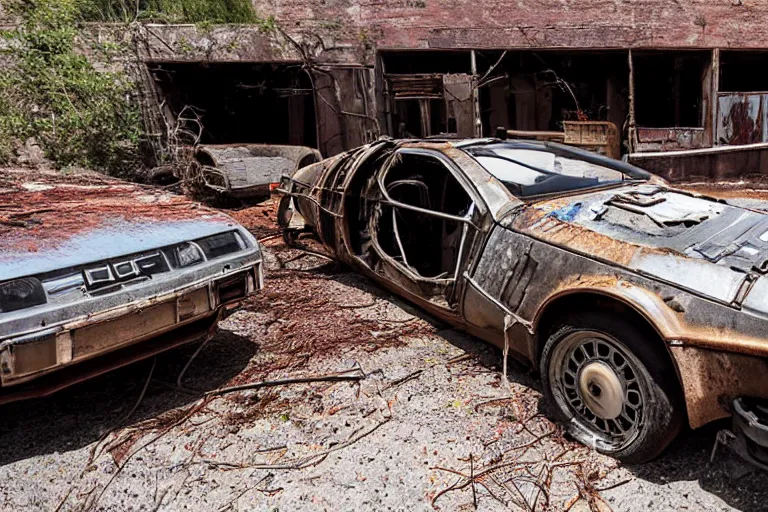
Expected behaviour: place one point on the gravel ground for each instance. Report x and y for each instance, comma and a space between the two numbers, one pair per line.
429, 422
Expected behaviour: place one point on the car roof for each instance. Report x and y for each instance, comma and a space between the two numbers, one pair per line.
535, 145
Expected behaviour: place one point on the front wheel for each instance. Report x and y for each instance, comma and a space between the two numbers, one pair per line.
613, 386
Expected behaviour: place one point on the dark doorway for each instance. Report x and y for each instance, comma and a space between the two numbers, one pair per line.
743, 71
242, 102
669, 88
538, 90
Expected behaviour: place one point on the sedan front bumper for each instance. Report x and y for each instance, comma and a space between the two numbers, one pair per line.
32, 355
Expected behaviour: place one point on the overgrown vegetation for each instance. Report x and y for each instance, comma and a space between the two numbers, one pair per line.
169, 11
79, 116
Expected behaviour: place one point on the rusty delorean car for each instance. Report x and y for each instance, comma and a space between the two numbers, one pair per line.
642, 307
96, 273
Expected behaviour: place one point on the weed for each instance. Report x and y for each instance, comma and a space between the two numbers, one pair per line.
78, 115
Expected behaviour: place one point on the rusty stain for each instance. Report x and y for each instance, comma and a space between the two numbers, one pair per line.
738, 121
58, 207
727, 191
712, 379
536, 221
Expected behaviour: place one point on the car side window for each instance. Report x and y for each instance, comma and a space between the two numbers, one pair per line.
424, 224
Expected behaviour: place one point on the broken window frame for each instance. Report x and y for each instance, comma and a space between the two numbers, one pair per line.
645, 136
477, 208
728, 98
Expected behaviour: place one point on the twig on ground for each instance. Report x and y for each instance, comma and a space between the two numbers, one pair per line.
209, 335
191, 411
272, 449
511, 490
231, 504
403, 380
86, 503
183, 483
159, 503
493, 401
284, 382
63, 500
282, 263
270, 237
12, 223
309, 460
458, 359
448, 489
357, 306
93, 455
472, 477
613, 486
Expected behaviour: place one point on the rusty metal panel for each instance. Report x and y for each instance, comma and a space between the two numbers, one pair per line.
32, 357
346, 109
458, 102
712, 379
723, 163
670, 139
741, 118
94, 339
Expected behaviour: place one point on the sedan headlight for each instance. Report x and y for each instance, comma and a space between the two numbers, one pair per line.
187, 255
21, 294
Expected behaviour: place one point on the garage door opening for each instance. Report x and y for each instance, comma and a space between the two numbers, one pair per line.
241, 103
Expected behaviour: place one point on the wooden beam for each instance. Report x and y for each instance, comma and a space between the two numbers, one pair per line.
714, 100
632, 131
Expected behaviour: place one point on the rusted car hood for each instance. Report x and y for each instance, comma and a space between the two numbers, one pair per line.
712, 248
50, 221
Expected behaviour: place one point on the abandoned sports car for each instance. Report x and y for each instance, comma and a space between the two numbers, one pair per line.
641, 306
96, 273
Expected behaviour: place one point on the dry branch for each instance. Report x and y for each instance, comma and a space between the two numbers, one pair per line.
285, 382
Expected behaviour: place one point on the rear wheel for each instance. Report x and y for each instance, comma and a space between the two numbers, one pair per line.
613, 386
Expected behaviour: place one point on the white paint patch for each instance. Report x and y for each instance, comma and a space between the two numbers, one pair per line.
37, 187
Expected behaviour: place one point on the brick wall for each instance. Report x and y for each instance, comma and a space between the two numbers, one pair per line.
528, 23
350, 31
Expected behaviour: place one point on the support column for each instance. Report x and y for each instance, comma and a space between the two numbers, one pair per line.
714, 100
476, 97
632, 130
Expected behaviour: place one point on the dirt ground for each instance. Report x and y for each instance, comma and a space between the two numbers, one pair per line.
423, 422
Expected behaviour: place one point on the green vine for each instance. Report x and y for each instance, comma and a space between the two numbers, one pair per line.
169, 11
79, 116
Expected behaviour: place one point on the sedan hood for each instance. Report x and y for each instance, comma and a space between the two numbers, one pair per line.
49, 221
707, 246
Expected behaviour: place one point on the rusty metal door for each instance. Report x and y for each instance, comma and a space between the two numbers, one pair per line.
457, 90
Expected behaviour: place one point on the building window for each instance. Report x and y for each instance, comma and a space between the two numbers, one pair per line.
669, 88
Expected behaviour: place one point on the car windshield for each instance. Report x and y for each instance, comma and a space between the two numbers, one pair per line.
529, 172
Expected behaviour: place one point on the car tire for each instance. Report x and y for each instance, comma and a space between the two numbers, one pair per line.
612, 384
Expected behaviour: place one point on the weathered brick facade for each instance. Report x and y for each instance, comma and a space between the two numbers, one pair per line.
350, 32
346, 44
407, 24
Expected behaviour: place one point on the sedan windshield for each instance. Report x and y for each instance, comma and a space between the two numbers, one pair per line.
529, 172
